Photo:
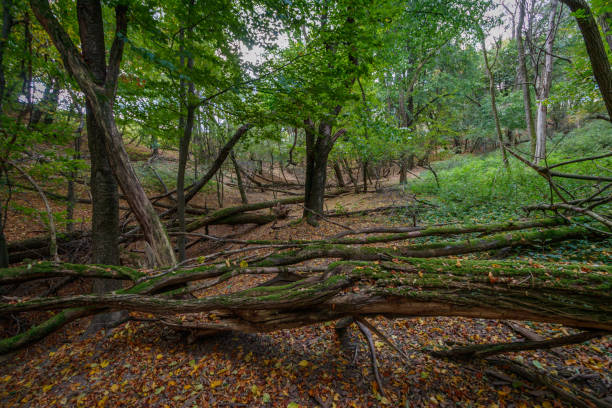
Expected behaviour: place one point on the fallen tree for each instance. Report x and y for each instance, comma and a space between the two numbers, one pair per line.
402, 286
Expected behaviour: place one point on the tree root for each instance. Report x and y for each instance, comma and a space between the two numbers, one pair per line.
370, 342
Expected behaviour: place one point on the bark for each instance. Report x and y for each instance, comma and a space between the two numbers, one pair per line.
498, 130
226, 212
595, 49
100, 100
407, 287
522, 76
544, 86
243, 196
485, 350
7, 25
318, 146
338, 172
4, 253
183, 156
439, 249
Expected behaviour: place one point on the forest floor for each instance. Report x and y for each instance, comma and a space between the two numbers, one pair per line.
149, 365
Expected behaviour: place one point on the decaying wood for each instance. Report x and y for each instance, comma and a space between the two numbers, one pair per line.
417, 287
485, 350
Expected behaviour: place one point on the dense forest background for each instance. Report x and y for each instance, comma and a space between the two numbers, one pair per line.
208, 202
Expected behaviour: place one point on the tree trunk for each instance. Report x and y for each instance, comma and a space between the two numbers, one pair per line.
364, 172
338, 172
4, 255
317, 152
184, 142
522, 76
544, 88
403, 171
595, 49
500, 139
100, 104
7, 25
105, 216
104, 193
243, 196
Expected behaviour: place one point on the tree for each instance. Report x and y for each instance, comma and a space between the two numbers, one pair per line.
100, 99
595, 49
522, 78
544, 83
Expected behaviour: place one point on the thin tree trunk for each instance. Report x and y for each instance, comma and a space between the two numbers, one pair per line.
522, 76
595, 48
4, 255
183, 157
364, 170
338, 172
243, 196
500, 139
71, 202
7, 25
544, 88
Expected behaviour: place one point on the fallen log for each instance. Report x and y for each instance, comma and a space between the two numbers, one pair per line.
439, 249
517, 290
486, 350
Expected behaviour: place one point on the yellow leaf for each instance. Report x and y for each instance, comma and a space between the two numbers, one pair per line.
227, 262
216, 383
303, 363
159, 356
114, 387
7, 378
104, 364
46, 388
187, 387
546, 404
102, 402
244, 264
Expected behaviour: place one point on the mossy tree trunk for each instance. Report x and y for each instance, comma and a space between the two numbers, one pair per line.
564, 294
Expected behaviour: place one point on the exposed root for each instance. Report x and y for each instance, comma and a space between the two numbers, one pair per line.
368, 336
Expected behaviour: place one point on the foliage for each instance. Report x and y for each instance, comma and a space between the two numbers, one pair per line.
476, 188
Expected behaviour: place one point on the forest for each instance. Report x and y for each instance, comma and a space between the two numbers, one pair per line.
306, 203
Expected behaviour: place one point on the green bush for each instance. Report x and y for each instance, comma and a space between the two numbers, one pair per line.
478, 187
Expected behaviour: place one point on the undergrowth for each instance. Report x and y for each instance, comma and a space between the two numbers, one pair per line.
477, 188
